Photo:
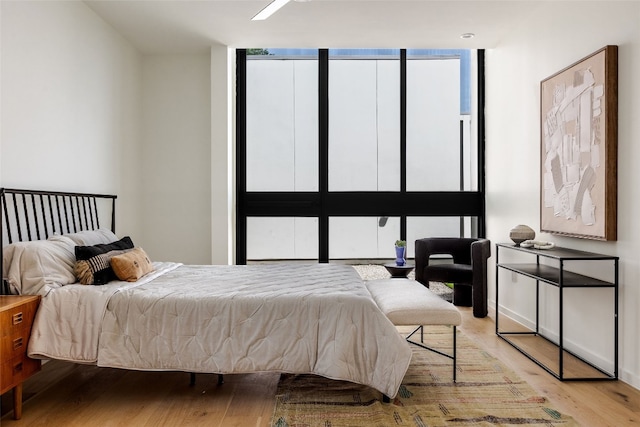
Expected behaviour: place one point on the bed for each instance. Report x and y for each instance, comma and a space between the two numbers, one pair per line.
290, 318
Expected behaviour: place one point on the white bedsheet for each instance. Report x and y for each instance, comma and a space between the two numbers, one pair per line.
316, 318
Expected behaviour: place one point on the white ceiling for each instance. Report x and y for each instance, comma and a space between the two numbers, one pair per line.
184, 26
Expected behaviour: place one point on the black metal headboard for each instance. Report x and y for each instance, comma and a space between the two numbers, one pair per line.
37, 215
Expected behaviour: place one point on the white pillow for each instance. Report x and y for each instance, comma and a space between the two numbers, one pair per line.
92, 237
37, 267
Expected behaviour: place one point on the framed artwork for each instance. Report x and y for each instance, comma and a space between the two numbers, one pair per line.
579, 148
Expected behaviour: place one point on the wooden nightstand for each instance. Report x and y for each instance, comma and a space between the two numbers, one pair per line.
16, 317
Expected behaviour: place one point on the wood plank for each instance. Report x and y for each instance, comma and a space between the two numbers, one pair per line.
580, 399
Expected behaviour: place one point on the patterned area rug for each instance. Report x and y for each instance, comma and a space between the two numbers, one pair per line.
486, 393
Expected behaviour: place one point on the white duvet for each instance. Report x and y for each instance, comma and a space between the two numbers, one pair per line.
316, 318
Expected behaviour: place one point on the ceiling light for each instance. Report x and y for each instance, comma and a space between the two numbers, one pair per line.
269, 10
467, 36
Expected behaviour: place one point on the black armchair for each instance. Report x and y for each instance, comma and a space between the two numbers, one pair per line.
468, 272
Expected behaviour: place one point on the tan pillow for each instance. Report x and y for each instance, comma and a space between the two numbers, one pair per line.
131, 265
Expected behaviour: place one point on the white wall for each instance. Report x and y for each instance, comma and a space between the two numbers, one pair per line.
559, 34
222, 155
70, 103
176, 158
82, 110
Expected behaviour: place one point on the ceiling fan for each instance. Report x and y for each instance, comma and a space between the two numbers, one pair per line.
272, 8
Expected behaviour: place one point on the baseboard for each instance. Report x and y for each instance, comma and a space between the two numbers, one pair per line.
630, 378
504, 311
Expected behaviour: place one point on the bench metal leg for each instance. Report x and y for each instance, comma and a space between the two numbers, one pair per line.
455, 347
452, 356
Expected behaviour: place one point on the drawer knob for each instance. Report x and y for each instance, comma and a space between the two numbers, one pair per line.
17, 343
17, 318
17, 368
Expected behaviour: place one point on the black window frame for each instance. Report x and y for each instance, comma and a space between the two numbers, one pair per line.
324, 204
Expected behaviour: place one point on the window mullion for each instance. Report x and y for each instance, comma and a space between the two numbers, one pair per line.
403, 136
323, 157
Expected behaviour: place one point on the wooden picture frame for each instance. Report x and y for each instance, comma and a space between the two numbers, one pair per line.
579, 148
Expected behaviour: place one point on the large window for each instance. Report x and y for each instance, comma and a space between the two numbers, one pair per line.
364, 121
433, 129
282, 123
341, 152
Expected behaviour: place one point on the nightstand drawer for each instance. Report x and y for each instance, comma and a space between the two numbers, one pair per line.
14, 345
16, 370
17, 319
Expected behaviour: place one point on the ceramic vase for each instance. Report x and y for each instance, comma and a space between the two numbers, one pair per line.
520, 233
400, 251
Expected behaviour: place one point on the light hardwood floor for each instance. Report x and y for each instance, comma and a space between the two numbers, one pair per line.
65, 394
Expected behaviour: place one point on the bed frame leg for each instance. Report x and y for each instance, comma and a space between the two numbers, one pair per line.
192, 379
386, 399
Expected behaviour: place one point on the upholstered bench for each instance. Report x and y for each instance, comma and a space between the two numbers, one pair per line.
409, 303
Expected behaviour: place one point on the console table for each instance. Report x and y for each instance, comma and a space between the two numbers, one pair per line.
532, 343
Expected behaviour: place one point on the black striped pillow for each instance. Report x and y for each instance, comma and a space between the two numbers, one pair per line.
93, 263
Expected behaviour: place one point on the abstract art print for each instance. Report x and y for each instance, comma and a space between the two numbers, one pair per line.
579, 109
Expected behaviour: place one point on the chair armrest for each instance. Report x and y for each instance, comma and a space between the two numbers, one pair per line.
421, 258
480, 253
